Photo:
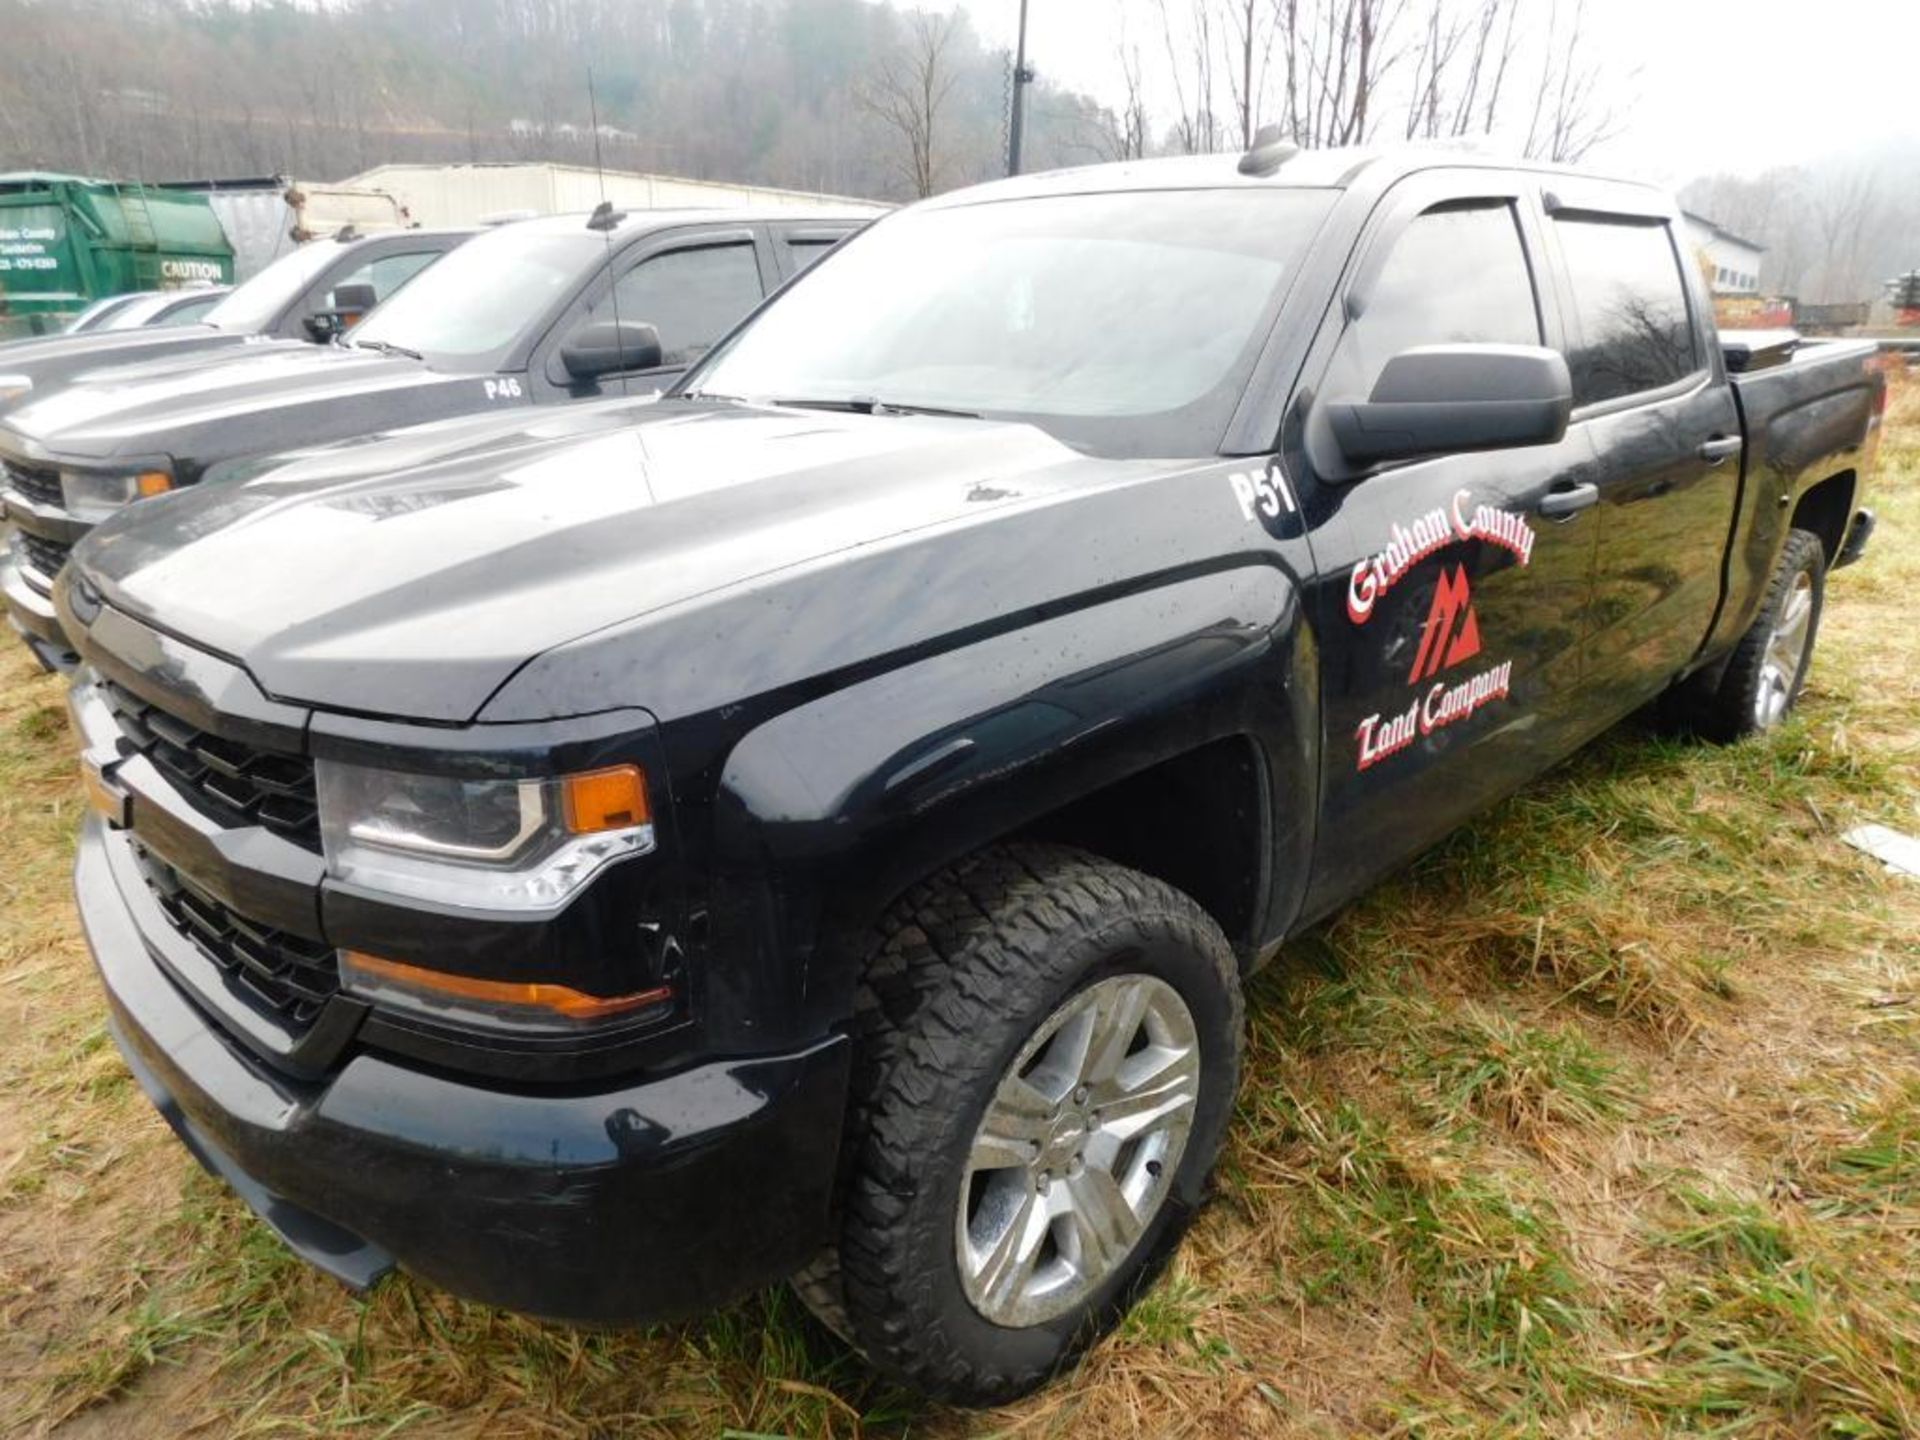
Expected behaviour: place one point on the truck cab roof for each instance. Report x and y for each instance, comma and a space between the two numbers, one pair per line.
1343, 168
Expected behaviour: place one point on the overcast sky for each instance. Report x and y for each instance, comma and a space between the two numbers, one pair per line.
1705, 84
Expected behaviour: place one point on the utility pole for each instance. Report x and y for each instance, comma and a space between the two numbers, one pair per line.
1022, 77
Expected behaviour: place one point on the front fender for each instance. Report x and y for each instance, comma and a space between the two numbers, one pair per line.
839, 804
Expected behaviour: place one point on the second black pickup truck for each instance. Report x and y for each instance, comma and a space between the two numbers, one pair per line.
819, 827
535, 313
309, 294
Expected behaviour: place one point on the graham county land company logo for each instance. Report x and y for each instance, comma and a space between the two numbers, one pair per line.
1451, 634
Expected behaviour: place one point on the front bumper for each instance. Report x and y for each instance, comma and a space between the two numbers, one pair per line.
28, 595
636, 1203
30, 613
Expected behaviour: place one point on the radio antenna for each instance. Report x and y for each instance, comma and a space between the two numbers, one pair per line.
606, 219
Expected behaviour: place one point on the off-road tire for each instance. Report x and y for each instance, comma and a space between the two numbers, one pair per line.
967, 965
1728, 711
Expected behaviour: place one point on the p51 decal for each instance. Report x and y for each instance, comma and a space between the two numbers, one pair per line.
1440, 527
1262, 492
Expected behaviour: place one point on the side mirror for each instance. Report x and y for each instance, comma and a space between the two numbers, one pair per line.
608, 347
1443, 399
352, 302
350, 306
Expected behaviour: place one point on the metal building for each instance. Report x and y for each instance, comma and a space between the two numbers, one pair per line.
1733, 262
437, 196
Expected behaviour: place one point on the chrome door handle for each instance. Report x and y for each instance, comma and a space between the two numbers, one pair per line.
1560, 503
1719, 448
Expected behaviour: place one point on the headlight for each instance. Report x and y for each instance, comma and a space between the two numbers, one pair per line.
95, 494
486, 844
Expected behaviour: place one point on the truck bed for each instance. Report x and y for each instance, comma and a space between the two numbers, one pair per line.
1809, 410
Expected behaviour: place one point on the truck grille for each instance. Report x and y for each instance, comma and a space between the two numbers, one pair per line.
236, 784
43, 556
37, 482
288, 974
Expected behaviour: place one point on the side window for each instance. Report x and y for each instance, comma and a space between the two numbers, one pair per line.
386, 275
692, 297
191, 314
802, 253
1631, 303
1457, 275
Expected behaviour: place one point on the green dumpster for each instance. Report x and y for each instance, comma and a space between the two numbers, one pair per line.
66, 242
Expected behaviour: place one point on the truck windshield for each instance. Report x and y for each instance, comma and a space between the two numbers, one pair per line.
1122, 324
470, 310
254, 306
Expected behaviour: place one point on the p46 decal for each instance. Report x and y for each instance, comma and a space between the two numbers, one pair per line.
507, 387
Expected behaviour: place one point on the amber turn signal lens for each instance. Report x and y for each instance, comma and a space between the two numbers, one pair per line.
610, 799
153, 482
561, 1000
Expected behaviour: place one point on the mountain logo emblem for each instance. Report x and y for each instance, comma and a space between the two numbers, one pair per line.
1452, 632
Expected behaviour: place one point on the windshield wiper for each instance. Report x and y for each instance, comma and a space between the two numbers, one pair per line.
387, 347
714, 396
868, 405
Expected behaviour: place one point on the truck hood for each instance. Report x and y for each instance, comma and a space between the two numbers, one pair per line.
55, 360
412, 577
271, 398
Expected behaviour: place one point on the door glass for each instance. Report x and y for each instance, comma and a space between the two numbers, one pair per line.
1635, 333
386, 275
692, 297
191, 314
802, 253
1456, 276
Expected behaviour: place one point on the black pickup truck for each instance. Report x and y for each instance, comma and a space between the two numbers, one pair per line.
309, 294
818, 827
534, 313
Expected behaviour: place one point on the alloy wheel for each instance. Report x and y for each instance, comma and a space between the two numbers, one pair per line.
1786, 652
1077, 1149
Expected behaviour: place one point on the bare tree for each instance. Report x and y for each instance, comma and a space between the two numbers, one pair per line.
1132, 125
1847, 209
1197, 130
1460, 63
909, 90
1336, 55
1570, 116
1250, 40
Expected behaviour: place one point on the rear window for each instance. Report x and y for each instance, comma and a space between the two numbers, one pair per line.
1630, 304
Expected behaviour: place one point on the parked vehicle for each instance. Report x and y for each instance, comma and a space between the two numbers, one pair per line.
314, 293
541, 312
66, 242
819, 827
96, 314
164, 309
266, 216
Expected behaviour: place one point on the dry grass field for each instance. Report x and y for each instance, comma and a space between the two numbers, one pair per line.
1604, 1120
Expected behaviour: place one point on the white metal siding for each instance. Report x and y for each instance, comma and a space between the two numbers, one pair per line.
441, 195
